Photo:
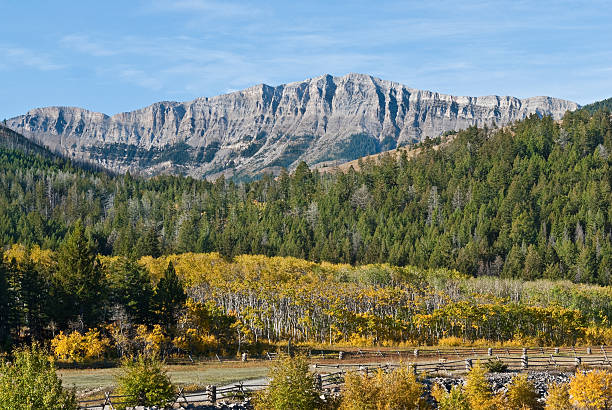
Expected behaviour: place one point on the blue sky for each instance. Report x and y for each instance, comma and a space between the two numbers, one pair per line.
114, 56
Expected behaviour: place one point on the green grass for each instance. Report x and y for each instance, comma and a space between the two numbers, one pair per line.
88, 380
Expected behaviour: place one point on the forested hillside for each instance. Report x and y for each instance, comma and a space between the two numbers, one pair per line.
532, 200
599, 105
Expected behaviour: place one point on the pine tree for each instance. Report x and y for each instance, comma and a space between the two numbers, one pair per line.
169, 297
79, 278
133, 290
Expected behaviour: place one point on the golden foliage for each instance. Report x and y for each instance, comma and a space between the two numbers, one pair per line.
455, 399
398, 389
78, 347
521, 394
16, 252
591, 390
152, 341
558, 397
478, 389
451, 341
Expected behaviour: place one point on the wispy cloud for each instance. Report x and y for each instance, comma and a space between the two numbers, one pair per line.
19, 57
84, 44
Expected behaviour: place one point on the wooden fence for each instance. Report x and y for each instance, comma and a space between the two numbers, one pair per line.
432, 352
211, 395
449, 360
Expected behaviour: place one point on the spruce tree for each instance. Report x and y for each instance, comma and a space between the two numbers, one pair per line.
79, 278
132, 289
169, 297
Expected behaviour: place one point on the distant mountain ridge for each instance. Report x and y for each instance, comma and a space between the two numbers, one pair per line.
323, 120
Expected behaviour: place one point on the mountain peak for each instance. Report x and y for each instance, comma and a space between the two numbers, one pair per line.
325, 119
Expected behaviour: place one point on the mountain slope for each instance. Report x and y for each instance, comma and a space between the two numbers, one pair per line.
598, 105
12, 140
261, 129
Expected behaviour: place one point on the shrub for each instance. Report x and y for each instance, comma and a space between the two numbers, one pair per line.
360, 392
558, 397
496, 366
591, 390
455, 399
78, 347
30, 382
398, 389
145, 381
292, 386
478, 389
451, 341
522, 394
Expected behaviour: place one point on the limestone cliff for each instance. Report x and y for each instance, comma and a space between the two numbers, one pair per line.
261, 129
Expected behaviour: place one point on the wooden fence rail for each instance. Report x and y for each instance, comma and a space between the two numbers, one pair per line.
449, 361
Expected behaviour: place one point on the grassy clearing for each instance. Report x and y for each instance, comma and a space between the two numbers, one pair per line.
193, 376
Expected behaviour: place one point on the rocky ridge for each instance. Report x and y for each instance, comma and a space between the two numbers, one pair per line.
325, 120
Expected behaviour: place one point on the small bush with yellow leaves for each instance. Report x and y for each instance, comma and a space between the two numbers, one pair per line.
558, 397
398, 389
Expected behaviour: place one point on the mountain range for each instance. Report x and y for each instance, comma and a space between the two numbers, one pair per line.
323, 121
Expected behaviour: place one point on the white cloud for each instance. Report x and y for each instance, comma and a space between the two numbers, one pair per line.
17, 57
85, 45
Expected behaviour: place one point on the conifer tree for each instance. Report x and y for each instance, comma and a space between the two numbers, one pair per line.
79, 278
169, 297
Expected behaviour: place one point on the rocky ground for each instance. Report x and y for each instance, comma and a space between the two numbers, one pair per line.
500, 381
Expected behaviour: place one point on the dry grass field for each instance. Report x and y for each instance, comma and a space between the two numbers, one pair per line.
192, 377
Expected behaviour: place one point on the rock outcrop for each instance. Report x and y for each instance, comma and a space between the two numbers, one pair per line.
324, 120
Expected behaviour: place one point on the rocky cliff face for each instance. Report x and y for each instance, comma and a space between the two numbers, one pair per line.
261, 129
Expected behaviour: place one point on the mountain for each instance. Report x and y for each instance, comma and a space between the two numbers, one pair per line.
325, 120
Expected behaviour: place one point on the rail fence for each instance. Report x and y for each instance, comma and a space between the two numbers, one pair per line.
429, 352
211, 395
331, 376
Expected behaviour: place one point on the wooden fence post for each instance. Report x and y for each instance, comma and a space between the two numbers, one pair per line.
468, 365
245, 357
319, 381
490, 351
107, 400
605, 355
212, 394
416, 352
556, 350
340, 355
524, 362
578, 361
588, 350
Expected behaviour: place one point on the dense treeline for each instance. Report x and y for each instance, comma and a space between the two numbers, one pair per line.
532, 200
202, 304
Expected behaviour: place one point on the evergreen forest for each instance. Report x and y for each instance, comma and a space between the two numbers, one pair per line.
531, 200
